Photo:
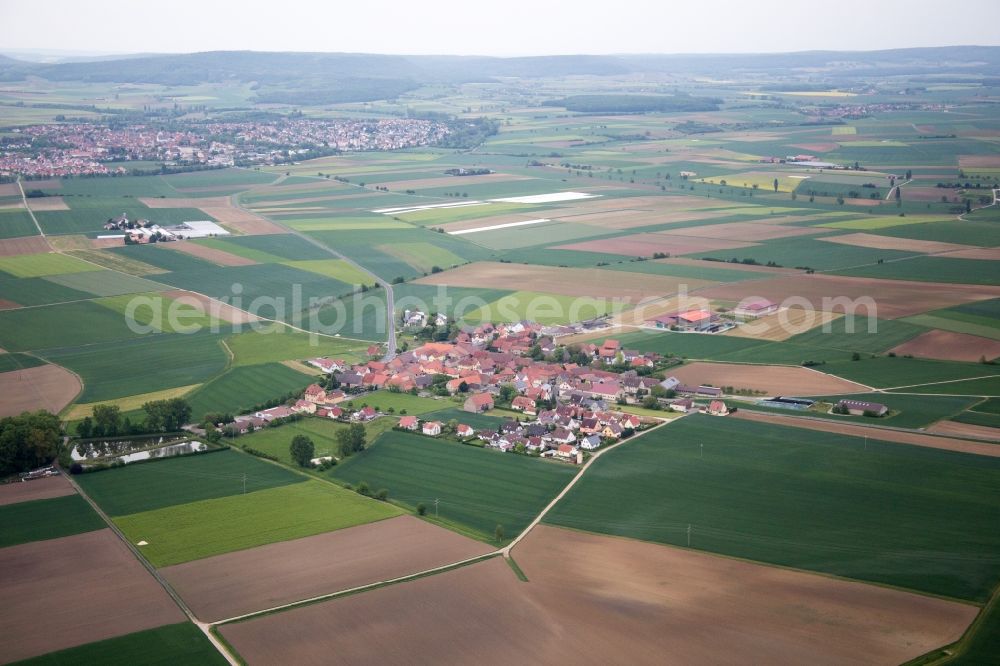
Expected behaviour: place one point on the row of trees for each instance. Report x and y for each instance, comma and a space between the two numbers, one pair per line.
161, 416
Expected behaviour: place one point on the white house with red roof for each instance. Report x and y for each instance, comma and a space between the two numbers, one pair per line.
432, 428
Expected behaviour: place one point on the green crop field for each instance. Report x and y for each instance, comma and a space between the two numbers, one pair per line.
338, 269
203, 528
117, 262
119, 369
46, 519
931, 269
385, 400
221, 178
280, 343
259, 256
541, 307
287, 246
804, 499
242, 387
322, 432
10, 362
986, 386
161, 258
62, 325
477, 488
710, 271
140, 488
37, 291
16, 223
423, 256
172, 644
158, 313
488, 421
106, 283
886, 372
40, 265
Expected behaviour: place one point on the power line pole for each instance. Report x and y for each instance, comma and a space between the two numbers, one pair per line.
689, 535
244, 484
701, 451
436, 507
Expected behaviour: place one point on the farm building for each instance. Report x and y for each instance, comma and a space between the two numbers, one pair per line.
463, 430
754, 308
787, 403
860, 407
718, 408
523, 404
690, 320
409, 422
432, 428
480, 402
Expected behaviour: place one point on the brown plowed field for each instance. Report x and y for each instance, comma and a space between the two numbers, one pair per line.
566, 281
42, 387
950, 346
898, 436
598, 600
8, 305
979, 161
10, 247
771, 379
701, 263
744, 231
214, 255
53, 486
817, 147
218, 309
645, 245
987, 253
887, 243
78, 589
47, 203
251, 580
956, 429
894, 298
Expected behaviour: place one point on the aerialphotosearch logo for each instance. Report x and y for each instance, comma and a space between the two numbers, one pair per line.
364, 312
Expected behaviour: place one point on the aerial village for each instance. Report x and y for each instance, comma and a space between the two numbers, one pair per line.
560, 409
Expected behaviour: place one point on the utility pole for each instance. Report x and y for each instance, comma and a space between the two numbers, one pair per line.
436, 500
689, 535
701, 451
244, 483
866, 442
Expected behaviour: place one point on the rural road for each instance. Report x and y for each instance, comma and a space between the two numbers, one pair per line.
24, 200
390, 299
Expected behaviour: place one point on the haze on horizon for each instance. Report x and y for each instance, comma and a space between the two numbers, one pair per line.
512, 28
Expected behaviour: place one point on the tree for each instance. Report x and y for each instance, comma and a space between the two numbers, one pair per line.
85, 428
968, 205
421, 509
107, 419
775, 184
28, 440
382, 494
650, 402
302, 450
498, 533
166, 415
855, 356
352, 439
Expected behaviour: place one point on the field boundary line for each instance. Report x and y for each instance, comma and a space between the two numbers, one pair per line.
24, 199
947, 381
203, 627
358, 589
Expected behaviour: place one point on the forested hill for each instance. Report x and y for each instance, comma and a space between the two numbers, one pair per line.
304, 78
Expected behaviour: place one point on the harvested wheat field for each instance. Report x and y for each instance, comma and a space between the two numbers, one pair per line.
898, 436
782, 325
645, 245
744, 231
956, 429
596, 600
47, 203
591, 282
60, 593
950, 346
251, 580
211, 254
10, 247
771, 379
210, 306
26, 491
887, 243
448, 181
893, 298
42, 387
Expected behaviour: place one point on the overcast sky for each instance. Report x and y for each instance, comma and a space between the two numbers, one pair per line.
492, 27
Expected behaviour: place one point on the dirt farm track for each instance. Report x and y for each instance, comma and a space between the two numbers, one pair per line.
596, 600
250, 580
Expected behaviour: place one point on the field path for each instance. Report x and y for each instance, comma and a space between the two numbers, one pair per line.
205, 628
24, 199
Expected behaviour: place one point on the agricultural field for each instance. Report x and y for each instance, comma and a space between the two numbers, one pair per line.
242, 387
474, 487
169, 644
40, 519
820, 502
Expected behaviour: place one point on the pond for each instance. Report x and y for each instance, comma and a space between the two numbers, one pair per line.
166, 451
